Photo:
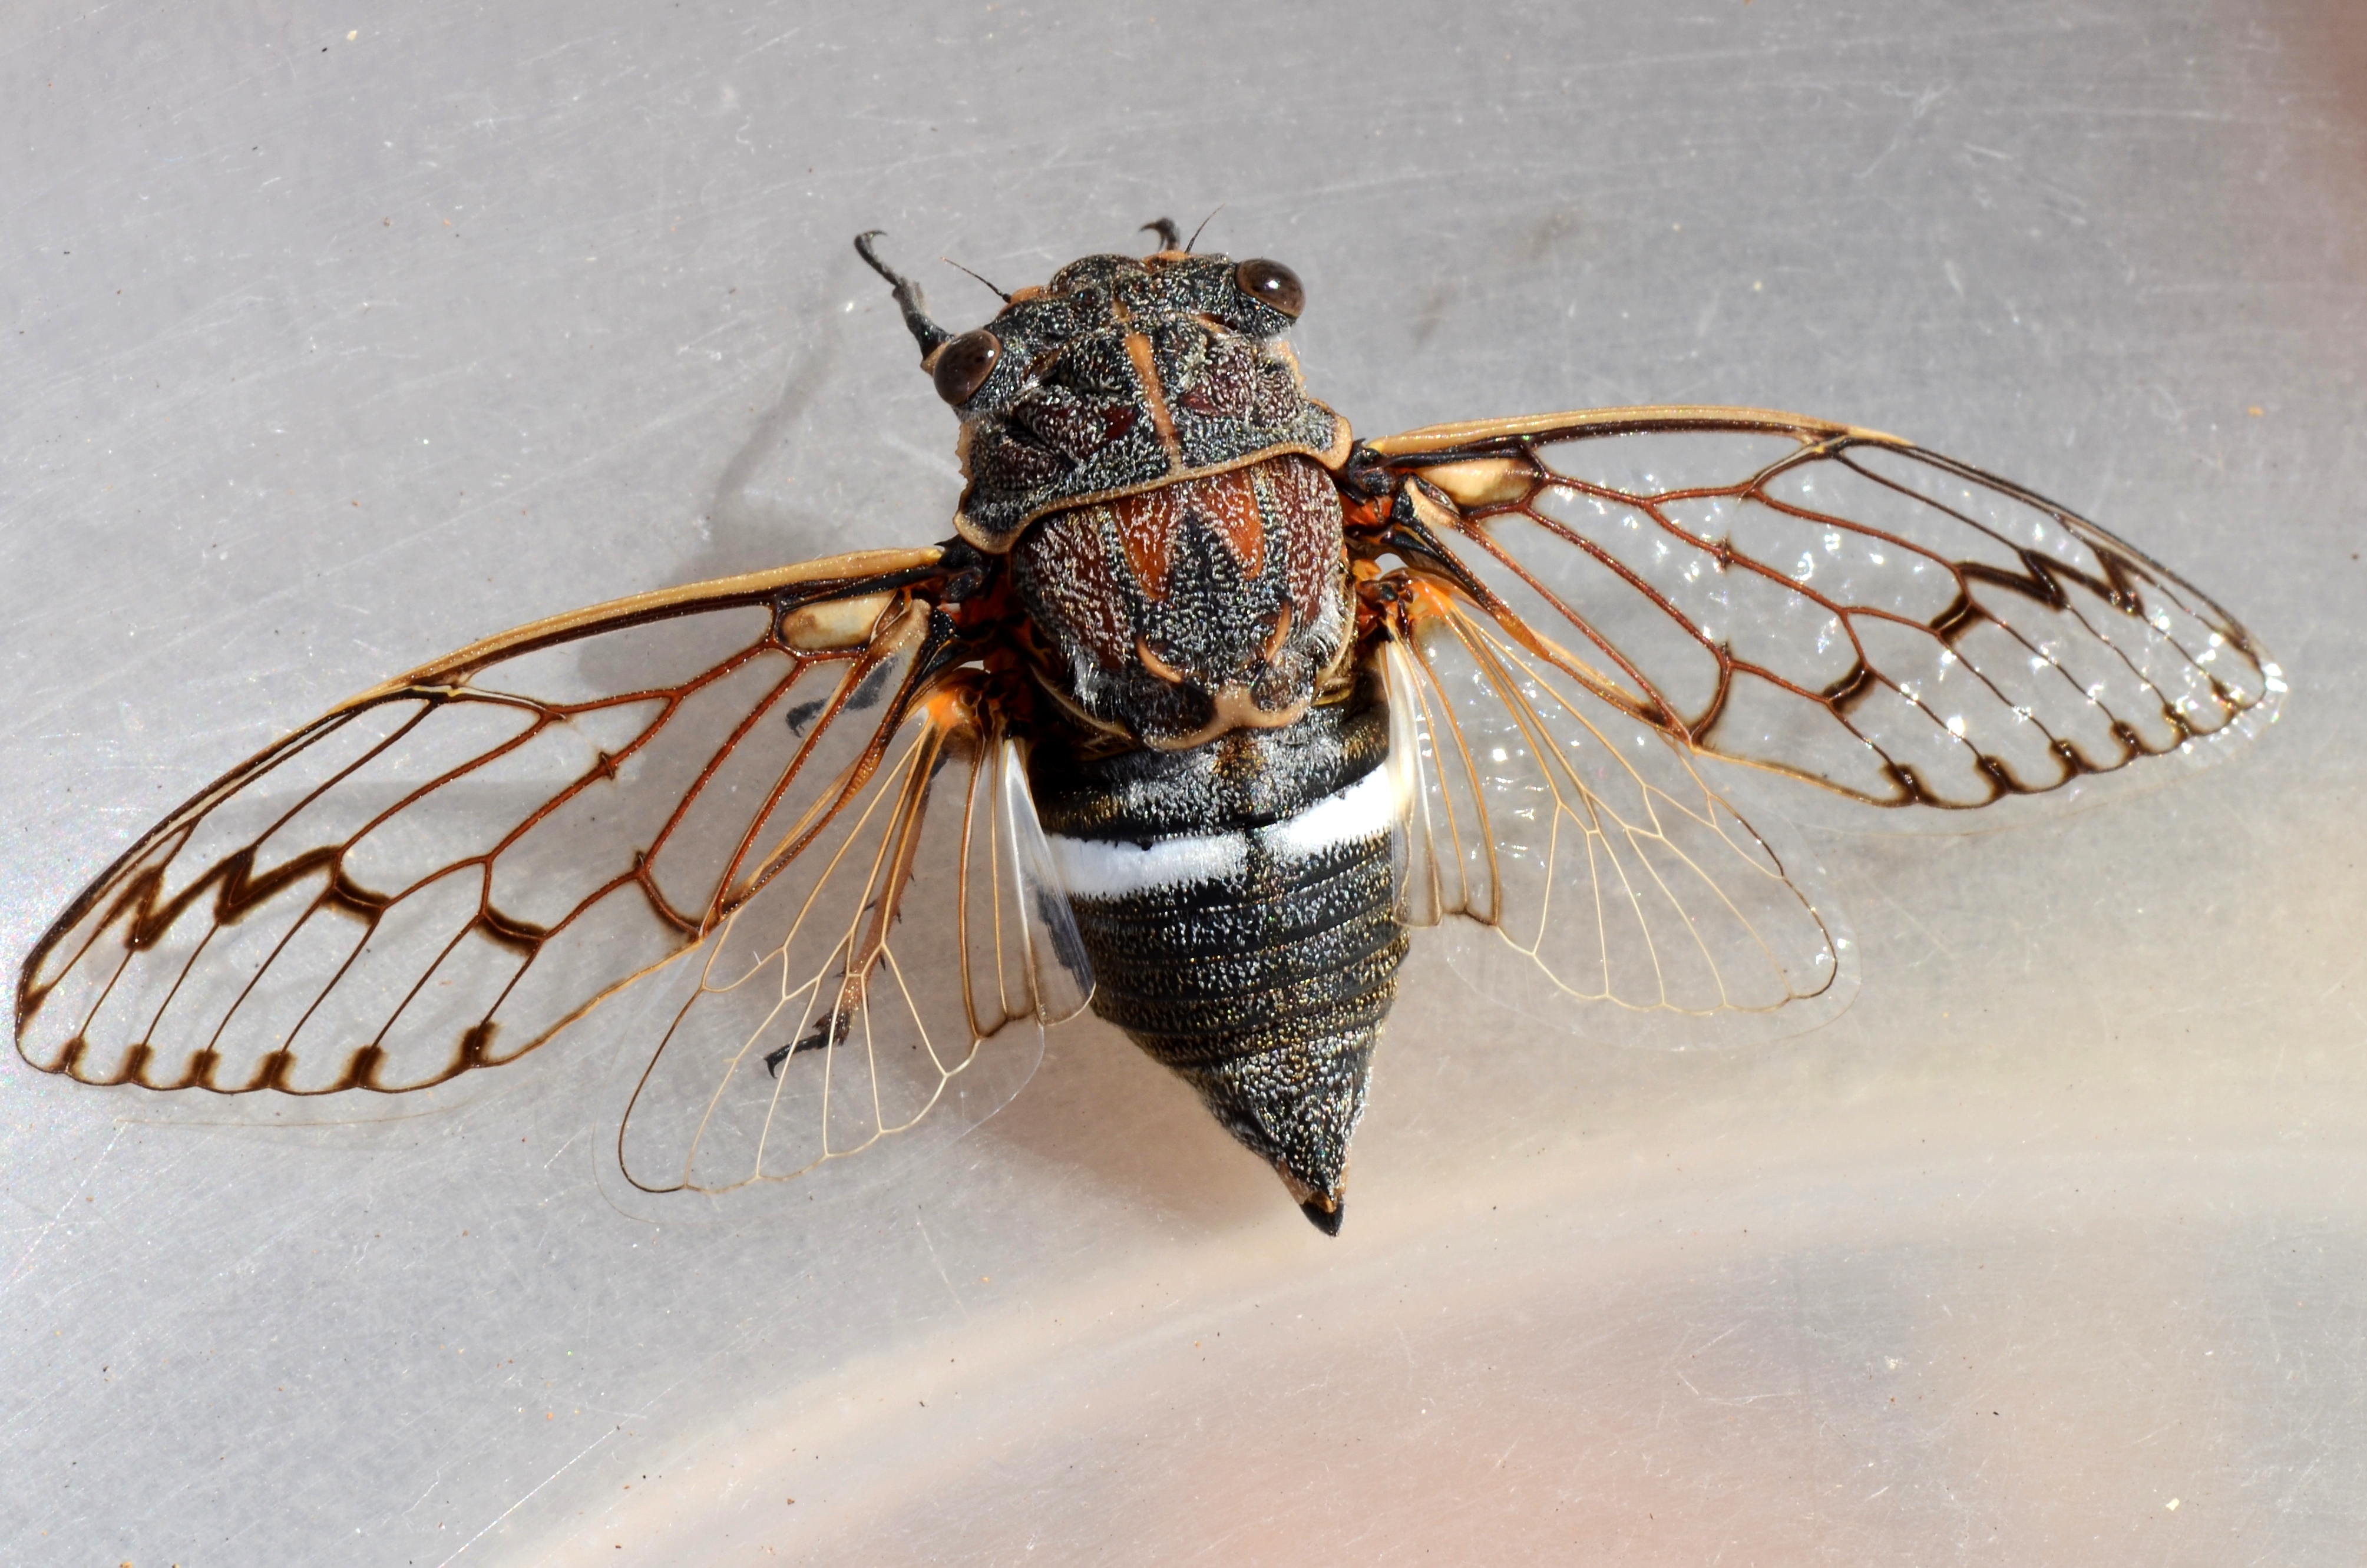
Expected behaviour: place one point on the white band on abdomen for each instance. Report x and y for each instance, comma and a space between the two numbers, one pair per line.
1101, 868
1352, 814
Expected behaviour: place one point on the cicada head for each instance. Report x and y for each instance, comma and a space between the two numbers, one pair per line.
1121, 375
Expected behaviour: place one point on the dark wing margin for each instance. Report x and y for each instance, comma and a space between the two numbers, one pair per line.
444, 871
1820, 601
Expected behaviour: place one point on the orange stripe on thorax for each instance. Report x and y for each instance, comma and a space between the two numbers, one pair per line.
1146, 531
1225, 503
1137, 349
1228, 503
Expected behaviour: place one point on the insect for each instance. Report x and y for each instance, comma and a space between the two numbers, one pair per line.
1207, 707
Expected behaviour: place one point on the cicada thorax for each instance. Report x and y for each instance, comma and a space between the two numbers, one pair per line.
1120, 375
1174, 615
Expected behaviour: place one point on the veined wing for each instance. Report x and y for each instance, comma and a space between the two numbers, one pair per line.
441, 873
868, 981
1585, 836
1826, 602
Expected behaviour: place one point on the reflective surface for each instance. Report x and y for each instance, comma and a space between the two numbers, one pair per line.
332, 352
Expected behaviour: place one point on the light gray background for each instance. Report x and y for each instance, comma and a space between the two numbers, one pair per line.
339, 335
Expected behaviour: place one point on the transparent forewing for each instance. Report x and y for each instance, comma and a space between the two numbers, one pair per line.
1581, 834
871, 981
441, 873
1831, 602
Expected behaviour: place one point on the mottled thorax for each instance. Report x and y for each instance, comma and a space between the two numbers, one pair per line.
1121, 375
1175, 614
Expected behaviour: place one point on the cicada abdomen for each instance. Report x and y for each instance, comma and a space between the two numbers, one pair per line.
1240, 901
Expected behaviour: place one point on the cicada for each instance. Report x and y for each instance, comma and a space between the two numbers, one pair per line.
1205, 707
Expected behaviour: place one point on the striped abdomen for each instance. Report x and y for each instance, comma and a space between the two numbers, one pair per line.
1239, 902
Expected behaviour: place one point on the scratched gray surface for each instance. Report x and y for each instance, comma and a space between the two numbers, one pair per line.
337, 341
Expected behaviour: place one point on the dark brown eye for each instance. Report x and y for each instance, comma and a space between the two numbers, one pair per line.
1271, 283
964, 364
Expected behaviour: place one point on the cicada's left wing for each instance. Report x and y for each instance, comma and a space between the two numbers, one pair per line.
442, 874
1820, 601
856, 988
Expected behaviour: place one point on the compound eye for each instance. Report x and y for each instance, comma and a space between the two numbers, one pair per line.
1271, 283
964, 364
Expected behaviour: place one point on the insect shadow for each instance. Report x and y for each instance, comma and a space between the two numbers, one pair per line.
749, 523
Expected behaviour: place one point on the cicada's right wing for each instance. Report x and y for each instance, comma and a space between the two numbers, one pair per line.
1582, 607
1589, 841
1829, 603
